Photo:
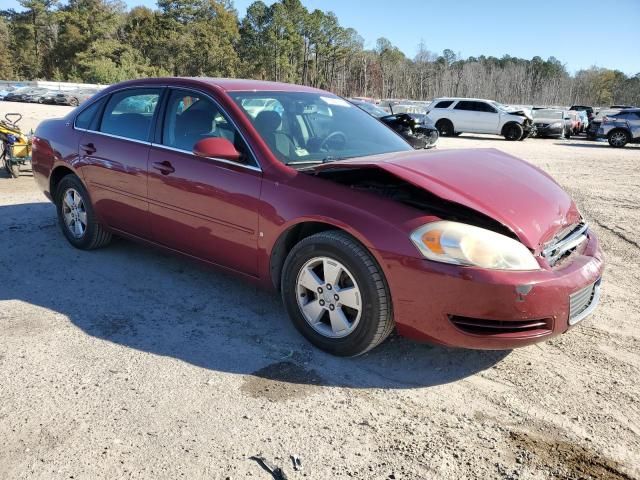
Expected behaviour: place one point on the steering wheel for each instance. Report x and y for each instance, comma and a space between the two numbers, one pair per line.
333, 135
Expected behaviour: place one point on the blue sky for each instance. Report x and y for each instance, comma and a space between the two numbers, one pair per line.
582, 33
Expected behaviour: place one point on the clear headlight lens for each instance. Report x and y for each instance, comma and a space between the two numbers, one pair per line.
556, 125
462, 244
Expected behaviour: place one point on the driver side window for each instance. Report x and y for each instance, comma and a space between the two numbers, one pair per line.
191, 117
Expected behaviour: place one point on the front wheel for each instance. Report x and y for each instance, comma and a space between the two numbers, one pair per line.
445, 127
513, 132
76, 216
336, 295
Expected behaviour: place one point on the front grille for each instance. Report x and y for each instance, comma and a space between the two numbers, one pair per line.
582, 302
480, 326
564, 243
542, 125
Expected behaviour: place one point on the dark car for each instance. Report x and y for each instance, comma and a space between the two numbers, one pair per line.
415, 128
594, 124
24, 94
74, 97
550, 122
621, 128
358, 231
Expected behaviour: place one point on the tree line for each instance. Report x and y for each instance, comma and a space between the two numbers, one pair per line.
101, 41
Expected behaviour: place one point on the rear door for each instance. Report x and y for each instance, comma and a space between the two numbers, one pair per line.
114, 151
463, 116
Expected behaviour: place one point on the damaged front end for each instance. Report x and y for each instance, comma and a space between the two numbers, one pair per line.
418, 135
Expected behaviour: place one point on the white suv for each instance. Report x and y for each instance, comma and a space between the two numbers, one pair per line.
454, 116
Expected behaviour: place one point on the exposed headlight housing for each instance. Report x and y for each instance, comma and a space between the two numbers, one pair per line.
462, 244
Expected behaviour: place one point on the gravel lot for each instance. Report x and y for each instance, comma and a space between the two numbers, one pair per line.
130, 363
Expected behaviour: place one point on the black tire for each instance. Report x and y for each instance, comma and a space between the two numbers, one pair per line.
376, 320
445, 127
618, 138
95, 235
567, 133
513, 132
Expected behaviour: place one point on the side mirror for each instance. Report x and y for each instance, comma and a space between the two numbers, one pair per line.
216, 147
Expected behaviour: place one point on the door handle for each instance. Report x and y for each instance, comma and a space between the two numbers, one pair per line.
88, 148
165, 167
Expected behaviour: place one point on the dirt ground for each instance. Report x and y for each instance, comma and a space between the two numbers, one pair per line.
130, 363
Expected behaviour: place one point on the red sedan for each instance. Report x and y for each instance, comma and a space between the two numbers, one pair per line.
297, 189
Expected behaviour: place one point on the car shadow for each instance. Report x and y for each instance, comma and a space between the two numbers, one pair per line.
141, 298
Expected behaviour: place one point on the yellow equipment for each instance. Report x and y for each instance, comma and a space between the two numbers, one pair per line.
16, 146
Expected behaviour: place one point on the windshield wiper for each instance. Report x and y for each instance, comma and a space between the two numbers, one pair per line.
333, 159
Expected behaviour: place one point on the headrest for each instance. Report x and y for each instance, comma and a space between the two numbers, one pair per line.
268, 121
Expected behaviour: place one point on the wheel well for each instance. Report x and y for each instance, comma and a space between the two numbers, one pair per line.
287, 240
58, 174
619, 129
444, 120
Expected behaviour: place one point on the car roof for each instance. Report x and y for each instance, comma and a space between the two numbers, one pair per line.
462, 98
226, 84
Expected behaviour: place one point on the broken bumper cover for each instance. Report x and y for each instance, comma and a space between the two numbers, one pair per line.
493, 310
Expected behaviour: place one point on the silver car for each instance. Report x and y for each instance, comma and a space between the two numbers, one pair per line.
621, 128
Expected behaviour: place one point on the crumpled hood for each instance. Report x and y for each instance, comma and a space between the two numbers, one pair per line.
515, 193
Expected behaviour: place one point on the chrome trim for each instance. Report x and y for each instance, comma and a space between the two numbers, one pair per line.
143, 142
595, 298
222, 160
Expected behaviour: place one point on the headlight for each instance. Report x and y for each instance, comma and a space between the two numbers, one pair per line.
462, 244
556, 125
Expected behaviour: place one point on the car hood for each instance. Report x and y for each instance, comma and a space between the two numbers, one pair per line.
511, 191
520, 113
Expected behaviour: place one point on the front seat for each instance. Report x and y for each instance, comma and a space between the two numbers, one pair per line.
267, 123
192, 126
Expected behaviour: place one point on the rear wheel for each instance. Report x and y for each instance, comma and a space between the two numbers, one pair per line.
618, 138
76, 216
74, 102
513, 132
336, 294
445, 127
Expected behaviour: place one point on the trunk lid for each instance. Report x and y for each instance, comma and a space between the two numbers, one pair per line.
515, 193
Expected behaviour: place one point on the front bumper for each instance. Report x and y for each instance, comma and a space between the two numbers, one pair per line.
470, 307
549, 131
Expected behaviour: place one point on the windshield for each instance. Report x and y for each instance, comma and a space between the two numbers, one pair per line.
302, 128
499, 106
550, 114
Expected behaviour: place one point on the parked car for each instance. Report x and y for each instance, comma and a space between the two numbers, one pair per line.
575, 122
23, 94
584, 120
50, 97
74, 97
415, 128
584, 108
621, 107
552, 123
473, 115
4, 91
594, 125
621, 128
359, 232
38, 96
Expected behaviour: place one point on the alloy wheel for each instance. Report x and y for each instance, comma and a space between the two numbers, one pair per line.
74, 213
329, 297
619, 139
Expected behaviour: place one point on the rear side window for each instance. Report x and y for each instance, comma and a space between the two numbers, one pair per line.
444, 104
87, 119
129, 113
465, 105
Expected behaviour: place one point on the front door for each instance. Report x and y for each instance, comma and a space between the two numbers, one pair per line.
205, 207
